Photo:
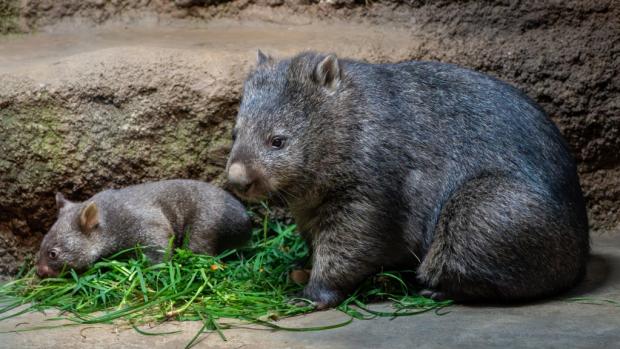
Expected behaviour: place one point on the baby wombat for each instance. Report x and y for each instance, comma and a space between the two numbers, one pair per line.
147, 214
418, 165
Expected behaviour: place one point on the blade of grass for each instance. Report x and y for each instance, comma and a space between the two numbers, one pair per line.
142, 332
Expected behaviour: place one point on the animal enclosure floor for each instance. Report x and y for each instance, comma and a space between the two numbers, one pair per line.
557, 323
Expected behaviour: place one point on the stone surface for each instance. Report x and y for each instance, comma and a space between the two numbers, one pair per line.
9, 16
555, 323
113, 93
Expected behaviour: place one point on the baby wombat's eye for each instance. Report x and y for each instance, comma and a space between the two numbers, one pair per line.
52, 254
234, 135
277, 142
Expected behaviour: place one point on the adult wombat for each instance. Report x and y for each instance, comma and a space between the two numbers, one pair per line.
413, 165
147, 214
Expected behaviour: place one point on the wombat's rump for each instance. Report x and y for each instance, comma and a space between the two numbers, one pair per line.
416, 165
148, 214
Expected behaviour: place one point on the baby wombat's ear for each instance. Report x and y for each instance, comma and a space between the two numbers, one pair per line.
263, 59
60, 200
89, 218
327, 72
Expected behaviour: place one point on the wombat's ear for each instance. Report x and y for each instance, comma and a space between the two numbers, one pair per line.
60, 200
89, 218
263, 59
327, 72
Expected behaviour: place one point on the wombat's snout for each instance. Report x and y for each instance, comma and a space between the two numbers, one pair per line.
239, 178
43, 270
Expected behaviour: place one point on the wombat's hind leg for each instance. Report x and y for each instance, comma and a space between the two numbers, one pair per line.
215, 229
497, 239
157, 245
154, 254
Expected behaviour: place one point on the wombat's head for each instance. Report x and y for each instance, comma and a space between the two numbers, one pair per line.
287, 124
69, 244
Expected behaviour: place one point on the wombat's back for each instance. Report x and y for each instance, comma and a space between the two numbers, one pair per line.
204, 210
470, 120
457, 124
460, 123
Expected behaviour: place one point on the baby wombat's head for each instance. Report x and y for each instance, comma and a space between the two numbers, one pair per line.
285, 124
69, 243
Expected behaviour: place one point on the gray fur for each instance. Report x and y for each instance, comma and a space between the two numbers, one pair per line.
149, 215
414, 165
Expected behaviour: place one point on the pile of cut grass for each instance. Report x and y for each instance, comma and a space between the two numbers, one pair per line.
250, 284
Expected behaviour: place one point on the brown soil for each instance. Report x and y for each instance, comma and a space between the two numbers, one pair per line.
113, 93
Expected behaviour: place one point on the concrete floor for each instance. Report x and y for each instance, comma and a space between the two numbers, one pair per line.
555, 323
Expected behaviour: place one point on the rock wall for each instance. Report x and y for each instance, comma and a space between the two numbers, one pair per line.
9, 16
99, 127
116, 115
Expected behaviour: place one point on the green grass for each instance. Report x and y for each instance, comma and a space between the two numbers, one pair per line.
594, 301
250, 284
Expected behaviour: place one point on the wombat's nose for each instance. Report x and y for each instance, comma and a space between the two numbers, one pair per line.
44, 271
238, 177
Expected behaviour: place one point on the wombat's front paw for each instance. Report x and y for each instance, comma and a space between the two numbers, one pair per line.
321, 298
434, 295
301, 302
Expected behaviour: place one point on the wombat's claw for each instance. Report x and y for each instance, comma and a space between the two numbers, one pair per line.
302, 302
434, 295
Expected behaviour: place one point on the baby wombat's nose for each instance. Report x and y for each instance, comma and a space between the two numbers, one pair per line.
238, 177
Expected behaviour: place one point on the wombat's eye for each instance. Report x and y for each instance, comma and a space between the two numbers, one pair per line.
234, 135
277, 142
52, 254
